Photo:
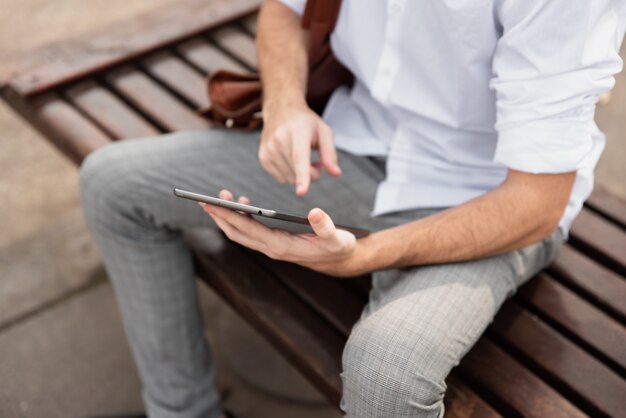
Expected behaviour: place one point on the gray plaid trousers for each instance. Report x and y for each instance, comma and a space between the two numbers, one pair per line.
419, 321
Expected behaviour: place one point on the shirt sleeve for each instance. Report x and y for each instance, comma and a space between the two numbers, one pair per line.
296, 5
552, 62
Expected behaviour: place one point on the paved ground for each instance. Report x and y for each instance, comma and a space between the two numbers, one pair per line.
62, 351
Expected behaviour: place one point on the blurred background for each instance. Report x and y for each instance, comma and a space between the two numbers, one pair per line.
62, 350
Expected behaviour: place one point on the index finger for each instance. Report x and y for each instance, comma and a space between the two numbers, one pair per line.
301, 154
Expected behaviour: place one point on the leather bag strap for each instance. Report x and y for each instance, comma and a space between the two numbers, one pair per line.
320, 18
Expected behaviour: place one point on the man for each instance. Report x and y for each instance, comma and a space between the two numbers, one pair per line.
467, 142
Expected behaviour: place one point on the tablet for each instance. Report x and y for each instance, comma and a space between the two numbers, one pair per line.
253, 210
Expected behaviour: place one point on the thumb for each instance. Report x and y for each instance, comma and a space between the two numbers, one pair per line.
321, 223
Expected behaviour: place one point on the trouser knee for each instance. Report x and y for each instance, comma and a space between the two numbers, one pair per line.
107, 189
390, 374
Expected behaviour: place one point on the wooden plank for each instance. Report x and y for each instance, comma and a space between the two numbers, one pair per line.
561, 306
598, 236
250, 23
115, 116
41, 69
362, 285
238, 44
297, 331
179, 76
608, 205
575, 370
605, 287
207, 57
329, 296
462, 402
154, 100
513, 384
71, 132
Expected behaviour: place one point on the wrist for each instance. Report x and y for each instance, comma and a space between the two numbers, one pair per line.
283, 102
364, 259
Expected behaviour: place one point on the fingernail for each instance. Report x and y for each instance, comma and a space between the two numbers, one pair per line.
317, 215
202, 204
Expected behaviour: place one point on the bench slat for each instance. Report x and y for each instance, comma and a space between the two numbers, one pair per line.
563, 307
54, 64
462, 402
154, 100
609, 205
238, 44
604, 286
207, 57
71, 132
115, 116
179, 76
291, 326
329, 296
502, 375
599, 236
74, 133
563, 360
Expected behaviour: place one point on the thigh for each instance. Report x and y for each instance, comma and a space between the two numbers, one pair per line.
452, 304
419, 323
140, 174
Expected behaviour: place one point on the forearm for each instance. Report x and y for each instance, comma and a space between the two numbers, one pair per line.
282, 51
512, 216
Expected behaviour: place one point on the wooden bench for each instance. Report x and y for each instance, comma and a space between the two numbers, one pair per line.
557, 349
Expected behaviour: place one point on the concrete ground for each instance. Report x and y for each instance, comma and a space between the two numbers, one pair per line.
62, 349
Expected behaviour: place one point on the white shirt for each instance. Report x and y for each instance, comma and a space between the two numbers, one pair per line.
455, 92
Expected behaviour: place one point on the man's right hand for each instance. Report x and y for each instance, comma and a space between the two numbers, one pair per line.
289, 134
291, 130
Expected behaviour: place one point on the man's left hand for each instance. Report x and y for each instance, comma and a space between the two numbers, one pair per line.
328, 250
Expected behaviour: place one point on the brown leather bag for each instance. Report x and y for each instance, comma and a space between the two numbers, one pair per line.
236, 98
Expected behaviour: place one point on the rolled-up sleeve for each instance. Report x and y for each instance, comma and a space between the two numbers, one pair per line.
552, 62
296, 5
